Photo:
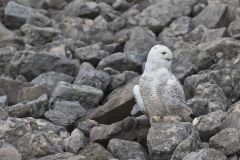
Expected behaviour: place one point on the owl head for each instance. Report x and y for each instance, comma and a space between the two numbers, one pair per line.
159, 56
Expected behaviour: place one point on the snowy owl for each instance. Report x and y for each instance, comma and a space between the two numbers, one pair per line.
159, 94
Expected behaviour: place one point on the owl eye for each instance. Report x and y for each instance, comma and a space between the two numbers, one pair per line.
163, 53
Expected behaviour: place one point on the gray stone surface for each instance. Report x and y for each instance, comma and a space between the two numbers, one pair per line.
163, 139
125, 150
87, 96
206, 154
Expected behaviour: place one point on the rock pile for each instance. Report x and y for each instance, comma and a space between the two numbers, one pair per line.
67, 69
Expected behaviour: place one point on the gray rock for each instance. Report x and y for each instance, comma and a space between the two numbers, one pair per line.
117, 106
9, 152
35, 108
201, 34
92, 54
190, 144
125, 150
62, 156
163, 138
233, 28
64, 113
83, 9
211, 16
208, 125
86, 126
39, 20
140, 41
3, 114
173, 34
206, 154
29, 142
9, 38
58, 4
89, 76
227, 141
235, 157
50, 79
17, 92
120, 79
188, 59
38, 36
6, 54
15, 15
122, 61
208, 98
87, 96
225, 78
30, 64
3, 101
127, 129
159, 14
121, 5
75, 142
117, 24
227, 63
231, 120
95, 151
29, 3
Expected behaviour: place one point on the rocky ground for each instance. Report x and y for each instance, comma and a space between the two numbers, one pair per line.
68, 68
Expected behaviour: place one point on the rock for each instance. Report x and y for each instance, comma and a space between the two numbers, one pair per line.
122, 61
235, 157
188, 59
227, 141
117, 107
62, 156
31, 64
58, 4
50, 79
206, 154
211, 16
64, 113
30, 3
227, 63
15, 15
39, 20
208, 125
3, 114
95, 151
9, 152
80, 8
17, 92
163, 138
225, 78
120, 79
6, 54
89, 76
87, 96
187, 146
127, 129
9, 38
233, 28
140, 41
35, 108
208, 98
173, 34
159, 14
125, 150
38, 36
231, 120
86, 126
29, 142
117, 24
3, 101
75, 142
201, 34
92, 54
121, 5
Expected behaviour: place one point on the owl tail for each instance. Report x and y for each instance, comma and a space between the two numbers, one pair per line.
135, 109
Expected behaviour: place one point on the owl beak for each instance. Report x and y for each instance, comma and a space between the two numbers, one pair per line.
168, 59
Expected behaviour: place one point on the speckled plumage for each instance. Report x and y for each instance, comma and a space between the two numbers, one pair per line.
160, 93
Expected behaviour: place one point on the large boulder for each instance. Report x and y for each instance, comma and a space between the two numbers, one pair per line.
117, 106
31, 64
163, 138
87, 96
125, 150
17, 92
